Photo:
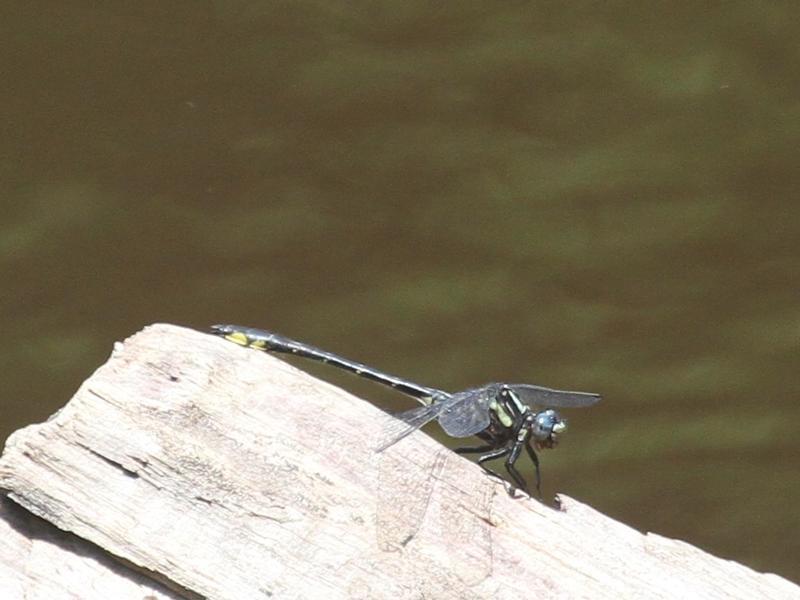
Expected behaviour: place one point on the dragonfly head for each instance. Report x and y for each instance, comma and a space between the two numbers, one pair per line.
546, 427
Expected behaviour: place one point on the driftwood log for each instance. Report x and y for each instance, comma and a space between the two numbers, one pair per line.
226, 473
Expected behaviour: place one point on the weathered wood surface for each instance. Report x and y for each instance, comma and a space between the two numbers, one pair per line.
40, 562
233, 475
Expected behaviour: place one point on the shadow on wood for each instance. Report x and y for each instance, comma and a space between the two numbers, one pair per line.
236, 476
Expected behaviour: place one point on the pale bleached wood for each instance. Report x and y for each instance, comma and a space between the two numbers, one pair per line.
40, 562
237, 476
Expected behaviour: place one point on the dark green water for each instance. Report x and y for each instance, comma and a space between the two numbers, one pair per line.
592, 198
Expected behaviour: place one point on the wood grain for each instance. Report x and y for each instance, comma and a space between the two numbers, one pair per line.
232, 475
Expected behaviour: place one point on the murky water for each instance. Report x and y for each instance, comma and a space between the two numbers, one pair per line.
592, 199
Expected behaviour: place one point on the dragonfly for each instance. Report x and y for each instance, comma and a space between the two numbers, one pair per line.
508, 418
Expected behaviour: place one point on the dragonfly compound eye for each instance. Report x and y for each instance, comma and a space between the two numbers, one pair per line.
547, 425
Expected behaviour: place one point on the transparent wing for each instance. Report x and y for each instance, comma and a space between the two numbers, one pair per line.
535, 395
468, 412
406, 423
461, 415
405, 489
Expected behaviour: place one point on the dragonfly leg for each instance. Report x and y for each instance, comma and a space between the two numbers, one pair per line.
495, 453
510, 460
535, 461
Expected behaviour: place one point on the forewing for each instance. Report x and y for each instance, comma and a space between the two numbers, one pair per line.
535, 395
467, 412
406, 423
